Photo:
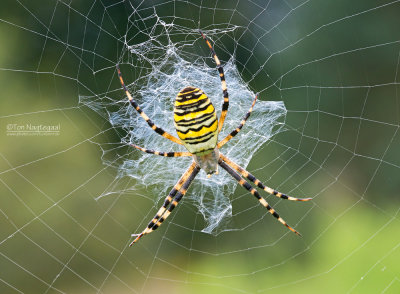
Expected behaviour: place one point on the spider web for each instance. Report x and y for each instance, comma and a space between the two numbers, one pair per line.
326, 126
169, 73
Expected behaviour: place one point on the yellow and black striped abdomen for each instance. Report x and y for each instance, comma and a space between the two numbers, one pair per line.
195, 120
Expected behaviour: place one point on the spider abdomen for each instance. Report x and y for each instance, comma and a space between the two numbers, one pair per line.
195, 120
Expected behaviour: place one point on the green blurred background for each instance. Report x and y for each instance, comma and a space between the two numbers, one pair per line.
334, 64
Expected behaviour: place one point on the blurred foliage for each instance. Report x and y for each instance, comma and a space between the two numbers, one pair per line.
334, 64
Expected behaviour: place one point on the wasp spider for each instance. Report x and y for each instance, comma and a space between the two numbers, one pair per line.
198, 127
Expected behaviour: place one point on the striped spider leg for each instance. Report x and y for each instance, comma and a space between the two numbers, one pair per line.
257, 182
155, 128
162, 153
254, 192
197, 127
225, 104
171, 201
238, 129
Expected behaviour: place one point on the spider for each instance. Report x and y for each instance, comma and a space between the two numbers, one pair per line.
198, 127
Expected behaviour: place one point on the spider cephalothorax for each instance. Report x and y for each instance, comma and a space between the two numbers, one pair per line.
198, 127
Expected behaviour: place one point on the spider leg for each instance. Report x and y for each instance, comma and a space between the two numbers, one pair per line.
172, 200
253, 191
157, 129
225, 104
177, 198
161, 153
256, 181
237, 130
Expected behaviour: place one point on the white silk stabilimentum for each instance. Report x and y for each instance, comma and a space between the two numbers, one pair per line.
165, 73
